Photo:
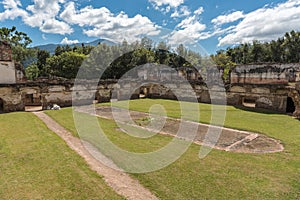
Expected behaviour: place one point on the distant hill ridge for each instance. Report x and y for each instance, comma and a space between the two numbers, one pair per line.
51, 47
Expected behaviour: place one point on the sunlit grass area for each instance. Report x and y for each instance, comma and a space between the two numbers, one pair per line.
37, 164
220, 175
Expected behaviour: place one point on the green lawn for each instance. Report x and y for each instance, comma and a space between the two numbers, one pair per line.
221, 175
37, 164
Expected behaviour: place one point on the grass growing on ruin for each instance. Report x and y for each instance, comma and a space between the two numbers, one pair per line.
37, 164
221, 175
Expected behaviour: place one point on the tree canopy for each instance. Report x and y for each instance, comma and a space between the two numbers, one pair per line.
285, 49
19, 42
67, 60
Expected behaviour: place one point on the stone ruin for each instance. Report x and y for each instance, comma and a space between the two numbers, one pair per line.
15, 97
11, 71
269, 86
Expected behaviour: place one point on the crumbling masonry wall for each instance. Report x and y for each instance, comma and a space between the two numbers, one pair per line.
14, 97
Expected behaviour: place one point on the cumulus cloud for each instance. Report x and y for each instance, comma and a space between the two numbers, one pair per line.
181, 12
188, 31
87, 16
41, 13
55, 26
100, 22
265, 24
165, 6
12, 10
69, 42
172, 3
7, 4
199, 11
224, 19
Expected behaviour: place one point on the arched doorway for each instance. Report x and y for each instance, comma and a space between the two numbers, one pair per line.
290, 105
1, 105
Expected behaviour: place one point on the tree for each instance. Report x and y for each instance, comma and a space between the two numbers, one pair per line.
181, 51
256, 52
65, 65
163, 46
42, 56
58, 50
146, 43
224, 61
32, 71
284, 50
14, 37
19, 42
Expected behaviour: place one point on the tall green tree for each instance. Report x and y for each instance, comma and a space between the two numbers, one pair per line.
32, 71
19, 42
42, 56
64, 65
285, 49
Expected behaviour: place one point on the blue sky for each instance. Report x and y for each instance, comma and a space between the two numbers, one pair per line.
214, 24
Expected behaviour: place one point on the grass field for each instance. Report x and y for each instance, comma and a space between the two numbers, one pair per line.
37, 164
221, 175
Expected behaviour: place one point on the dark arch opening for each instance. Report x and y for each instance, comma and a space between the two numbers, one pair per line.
1, 105
290, 105
143, 92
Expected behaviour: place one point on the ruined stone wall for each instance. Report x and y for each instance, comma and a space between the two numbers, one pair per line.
5, 51
16, 96
265, 74
11, 98
295, 95
8, 72
273, 97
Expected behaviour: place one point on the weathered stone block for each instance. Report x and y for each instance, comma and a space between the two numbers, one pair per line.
238, 89
261, 90
56, 88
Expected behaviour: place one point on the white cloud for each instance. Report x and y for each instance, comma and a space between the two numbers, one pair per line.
12, 10
55, 26
172, 3
199, 11
69, 42
265, 24
10, 4
188, 31
224, 19
100, 22
181, 12
162, 9
87, 16
42, 14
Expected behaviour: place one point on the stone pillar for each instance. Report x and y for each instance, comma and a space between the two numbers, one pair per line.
296, 98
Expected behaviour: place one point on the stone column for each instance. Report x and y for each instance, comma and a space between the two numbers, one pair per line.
296, 98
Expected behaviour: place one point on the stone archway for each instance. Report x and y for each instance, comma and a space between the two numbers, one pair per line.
1, 106
290, 105
294, 95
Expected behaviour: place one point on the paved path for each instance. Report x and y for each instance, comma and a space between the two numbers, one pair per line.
121, 182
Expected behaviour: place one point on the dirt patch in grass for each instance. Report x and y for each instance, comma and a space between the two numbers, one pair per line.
228, 139
261, 144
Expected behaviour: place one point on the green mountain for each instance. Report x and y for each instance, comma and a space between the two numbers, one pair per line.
51, 47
